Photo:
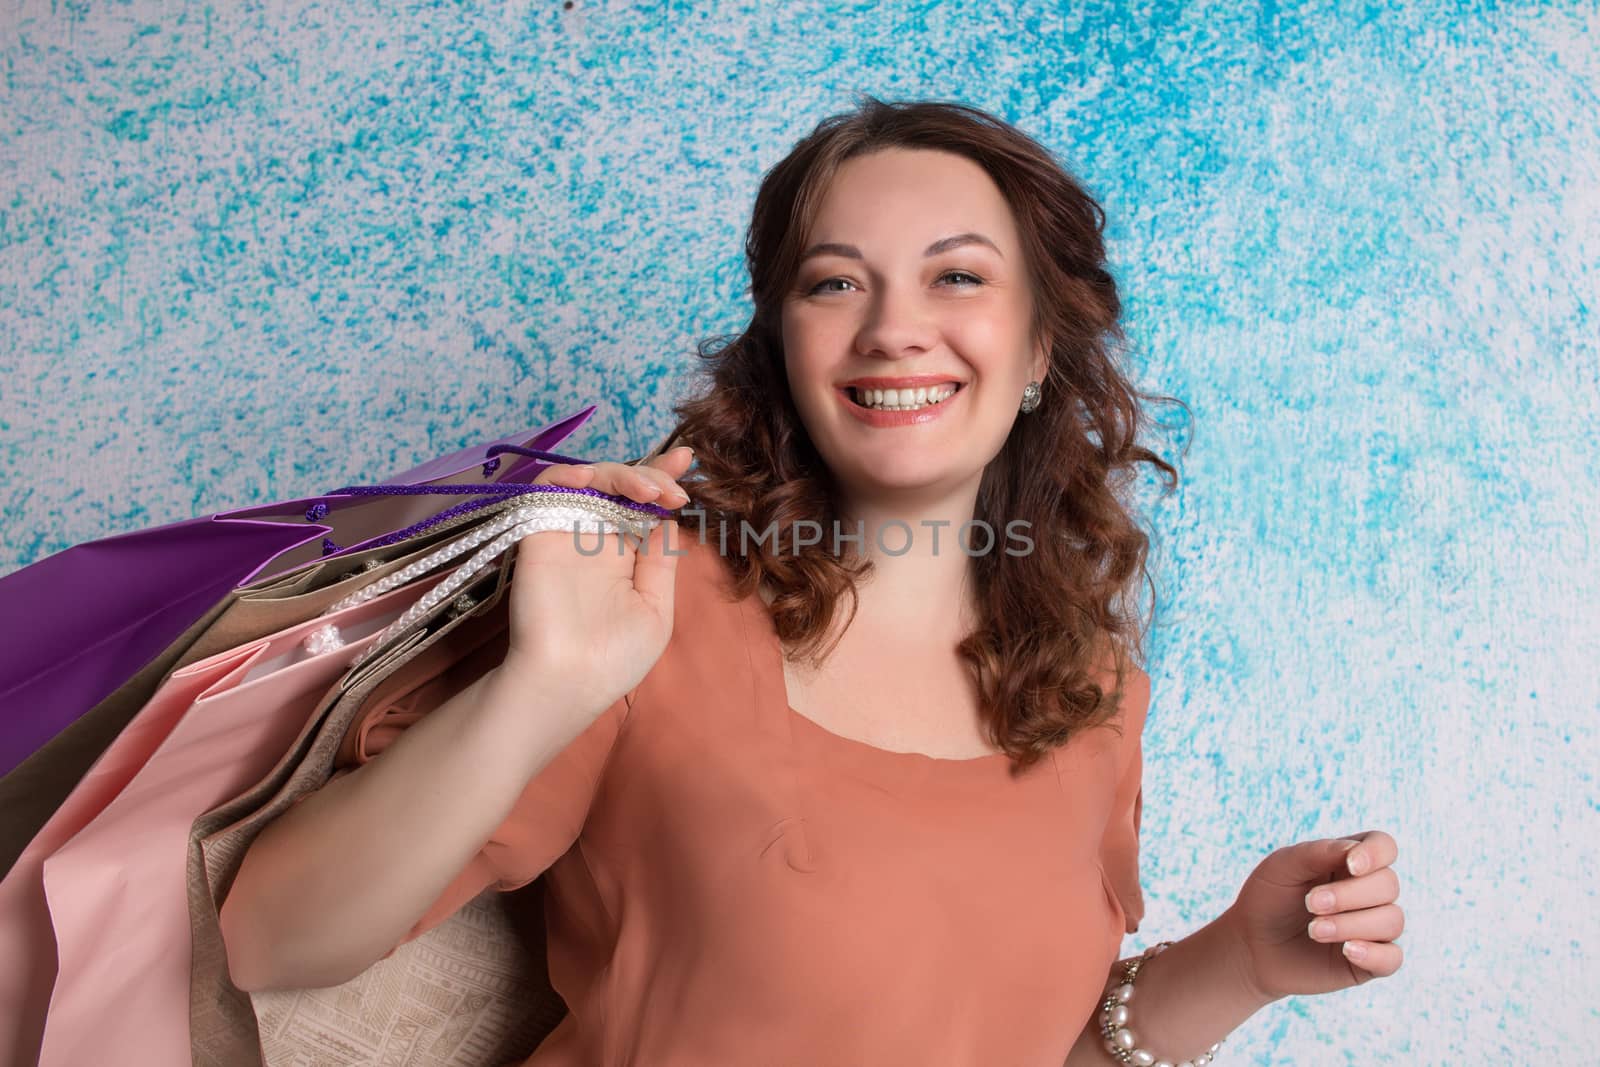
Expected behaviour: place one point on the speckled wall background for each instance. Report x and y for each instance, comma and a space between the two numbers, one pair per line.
249, 251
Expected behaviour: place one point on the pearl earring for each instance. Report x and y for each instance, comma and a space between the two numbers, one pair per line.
1030, 398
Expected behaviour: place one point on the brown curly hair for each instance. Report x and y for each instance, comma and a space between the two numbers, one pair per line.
1046, 618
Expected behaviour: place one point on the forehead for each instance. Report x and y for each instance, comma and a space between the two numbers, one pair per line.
901, 196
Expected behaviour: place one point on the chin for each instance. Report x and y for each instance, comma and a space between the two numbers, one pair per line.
891, 477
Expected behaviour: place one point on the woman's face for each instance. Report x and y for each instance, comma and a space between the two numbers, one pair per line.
894, 295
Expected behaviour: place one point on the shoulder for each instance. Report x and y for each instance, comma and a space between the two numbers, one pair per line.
704, 579
1135, 703
1116, 673
710, 663
710, 621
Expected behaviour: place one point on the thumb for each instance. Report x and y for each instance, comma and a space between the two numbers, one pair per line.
1311, 861
655, 566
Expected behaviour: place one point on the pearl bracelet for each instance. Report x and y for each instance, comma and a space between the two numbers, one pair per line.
1116, 1021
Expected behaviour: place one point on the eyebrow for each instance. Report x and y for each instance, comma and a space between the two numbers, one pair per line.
943, 244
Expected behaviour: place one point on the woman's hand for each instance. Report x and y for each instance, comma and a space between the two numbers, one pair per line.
587, 626
1280, 899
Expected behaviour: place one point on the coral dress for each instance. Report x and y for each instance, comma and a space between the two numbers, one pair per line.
729, 883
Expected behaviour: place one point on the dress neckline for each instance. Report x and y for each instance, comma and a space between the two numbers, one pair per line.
874, 750
775, 693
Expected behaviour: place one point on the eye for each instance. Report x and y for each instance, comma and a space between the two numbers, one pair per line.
971, 279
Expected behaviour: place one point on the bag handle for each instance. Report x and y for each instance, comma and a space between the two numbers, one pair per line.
488, 492
656, 451
494, 452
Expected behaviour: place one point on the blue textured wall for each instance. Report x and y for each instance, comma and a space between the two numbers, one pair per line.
253, 250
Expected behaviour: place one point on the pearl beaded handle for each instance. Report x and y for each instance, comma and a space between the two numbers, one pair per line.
542, 508
1116, 1019
489, 493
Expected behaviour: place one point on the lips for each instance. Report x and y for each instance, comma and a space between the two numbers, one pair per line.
917, 382
853, 393
878, 417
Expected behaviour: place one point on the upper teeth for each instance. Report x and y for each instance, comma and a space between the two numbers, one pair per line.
903, 399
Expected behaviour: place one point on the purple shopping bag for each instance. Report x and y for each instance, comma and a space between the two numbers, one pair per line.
76, 625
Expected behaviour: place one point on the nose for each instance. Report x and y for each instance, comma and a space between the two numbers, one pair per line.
895, 327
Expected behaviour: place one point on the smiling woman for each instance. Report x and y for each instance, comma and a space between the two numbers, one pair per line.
770, 831
939, 338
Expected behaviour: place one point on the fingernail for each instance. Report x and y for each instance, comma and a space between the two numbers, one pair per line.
1355, 951
1319, 900
1321, 928
1357, 862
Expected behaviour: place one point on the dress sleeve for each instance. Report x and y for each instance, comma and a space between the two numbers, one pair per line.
547, 817
1119, 848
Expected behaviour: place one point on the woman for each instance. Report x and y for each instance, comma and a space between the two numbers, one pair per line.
777, 832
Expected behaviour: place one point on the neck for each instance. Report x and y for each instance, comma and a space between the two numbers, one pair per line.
921, 584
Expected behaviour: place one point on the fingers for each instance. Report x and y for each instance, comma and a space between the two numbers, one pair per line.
663, 472
1379, 887
567, 474
1378, 959
1377, 849
656, 565
674, 462
1383, 923
667, 468
1360, 912
654, 482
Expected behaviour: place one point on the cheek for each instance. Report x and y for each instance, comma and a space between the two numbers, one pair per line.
813, 338
992, 344
805, 374
807, 349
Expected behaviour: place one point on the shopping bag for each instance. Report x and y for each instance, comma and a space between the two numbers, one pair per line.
81, 622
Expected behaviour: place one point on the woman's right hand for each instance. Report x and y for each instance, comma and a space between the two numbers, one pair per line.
586, 626
584, 629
